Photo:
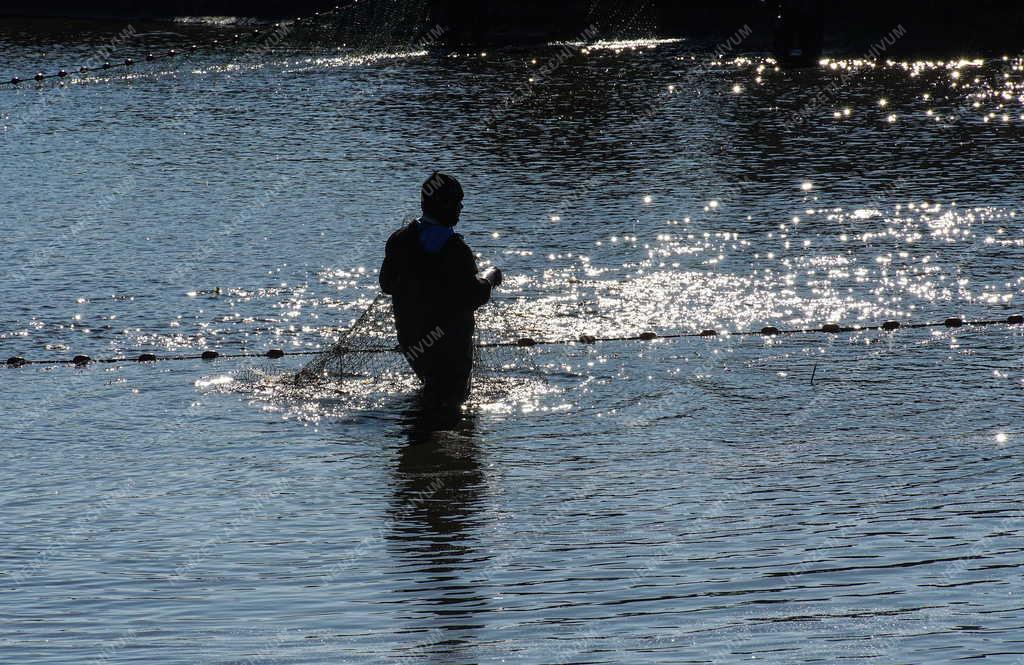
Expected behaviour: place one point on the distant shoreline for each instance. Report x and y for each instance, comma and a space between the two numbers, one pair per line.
985, 27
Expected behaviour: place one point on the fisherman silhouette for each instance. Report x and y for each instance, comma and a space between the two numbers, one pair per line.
432, 277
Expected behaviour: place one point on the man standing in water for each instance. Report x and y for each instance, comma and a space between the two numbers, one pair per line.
431, 274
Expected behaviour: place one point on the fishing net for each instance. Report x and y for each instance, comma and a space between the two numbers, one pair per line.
367, 359
368, 348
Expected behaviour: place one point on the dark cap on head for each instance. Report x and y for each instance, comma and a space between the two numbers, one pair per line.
440, 196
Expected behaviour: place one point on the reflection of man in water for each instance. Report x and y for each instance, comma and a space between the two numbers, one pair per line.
439, 520
431, 274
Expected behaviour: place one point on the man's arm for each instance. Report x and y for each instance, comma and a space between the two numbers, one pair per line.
466, 288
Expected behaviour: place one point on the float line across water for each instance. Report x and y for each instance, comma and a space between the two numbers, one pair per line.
767, 331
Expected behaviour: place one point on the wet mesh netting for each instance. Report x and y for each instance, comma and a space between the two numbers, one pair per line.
369, 348
367, 355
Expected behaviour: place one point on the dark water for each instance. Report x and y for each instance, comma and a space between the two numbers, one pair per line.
677, 501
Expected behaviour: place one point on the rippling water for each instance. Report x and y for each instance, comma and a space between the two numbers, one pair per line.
805, 498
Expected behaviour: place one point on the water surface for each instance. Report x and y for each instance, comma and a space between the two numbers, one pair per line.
692, 500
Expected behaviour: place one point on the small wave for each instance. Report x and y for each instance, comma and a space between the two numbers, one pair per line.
349, 60
223, 21
620, 44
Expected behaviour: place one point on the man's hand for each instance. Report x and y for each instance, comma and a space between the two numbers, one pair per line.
492, 275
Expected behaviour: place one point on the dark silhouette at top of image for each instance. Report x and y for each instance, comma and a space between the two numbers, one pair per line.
799, 32
433, 279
